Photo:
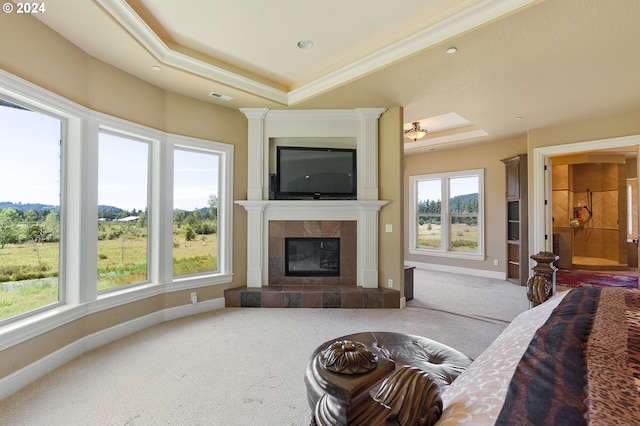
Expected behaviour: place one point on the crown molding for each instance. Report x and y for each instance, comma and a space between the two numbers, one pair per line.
469, 18
136, 27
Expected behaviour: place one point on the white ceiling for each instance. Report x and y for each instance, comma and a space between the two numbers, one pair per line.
549, 62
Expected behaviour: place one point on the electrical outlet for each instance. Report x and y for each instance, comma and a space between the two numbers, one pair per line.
390, 282
495, 262
194, 298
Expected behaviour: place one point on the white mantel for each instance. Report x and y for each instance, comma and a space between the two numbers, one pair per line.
264, 124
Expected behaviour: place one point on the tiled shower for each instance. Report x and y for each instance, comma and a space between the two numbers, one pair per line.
590, 215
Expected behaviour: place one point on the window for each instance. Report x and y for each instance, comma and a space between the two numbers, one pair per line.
446, 214
122, 210
29, 209
87, 209
195, 211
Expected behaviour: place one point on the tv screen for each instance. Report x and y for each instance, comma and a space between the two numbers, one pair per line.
316, 173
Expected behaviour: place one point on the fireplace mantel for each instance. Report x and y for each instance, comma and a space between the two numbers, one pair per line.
265, 124
260, 212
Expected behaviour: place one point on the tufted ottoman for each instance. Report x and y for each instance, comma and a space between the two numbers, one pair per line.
373, 378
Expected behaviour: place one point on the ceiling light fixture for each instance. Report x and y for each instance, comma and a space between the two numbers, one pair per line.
155, 68
415, 132
305, 44
452, 50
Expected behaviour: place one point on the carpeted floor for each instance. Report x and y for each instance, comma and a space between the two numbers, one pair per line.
581, 278
245, 366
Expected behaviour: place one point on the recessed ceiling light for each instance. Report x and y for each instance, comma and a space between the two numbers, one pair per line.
155, 68
452, 50
305, 44
519, 118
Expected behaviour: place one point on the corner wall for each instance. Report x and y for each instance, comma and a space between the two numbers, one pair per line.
390, 182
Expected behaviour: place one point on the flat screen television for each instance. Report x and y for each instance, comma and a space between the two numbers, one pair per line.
319, 173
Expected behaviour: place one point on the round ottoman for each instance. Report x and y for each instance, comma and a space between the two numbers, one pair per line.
371, 378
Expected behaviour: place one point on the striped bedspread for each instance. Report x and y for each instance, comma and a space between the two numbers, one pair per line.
573, 360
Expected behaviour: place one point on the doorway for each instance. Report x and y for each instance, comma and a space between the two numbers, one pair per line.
590, 217
589, 205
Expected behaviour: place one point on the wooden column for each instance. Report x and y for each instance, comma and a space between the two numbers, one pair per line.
542, 285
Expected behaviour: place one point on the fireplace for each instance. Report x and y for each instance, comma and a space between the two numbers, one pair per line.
312, 257
312, 253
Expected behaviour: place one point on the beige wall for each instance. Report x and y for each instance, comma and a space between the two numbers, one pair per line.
609, 126
44, 58
390, 188
481, 156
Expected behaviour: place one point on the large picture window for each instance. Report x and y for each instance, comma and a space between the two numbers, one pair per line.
122, 210
93, 208
195, 211
446, 214
29, 209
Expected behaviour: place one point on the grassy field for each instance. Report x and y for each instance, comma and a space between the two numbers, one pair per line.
28, 272
463, 237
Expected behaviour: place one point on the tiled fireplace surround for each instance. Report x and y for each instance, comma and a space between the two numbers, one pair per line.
279, 230
354, 221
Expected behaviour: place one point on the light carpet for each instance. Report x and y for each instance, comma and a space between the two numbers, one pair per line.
245, 366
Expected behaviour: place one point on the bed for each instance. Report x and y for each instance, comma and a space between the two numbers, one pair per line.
575, 359
572, 360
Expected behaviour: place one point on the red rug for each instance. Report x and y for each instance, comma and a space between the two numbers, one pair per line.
579, 278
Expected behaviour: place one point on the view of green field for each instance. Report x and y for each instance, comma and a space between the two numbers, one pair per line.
29, 271
463, 237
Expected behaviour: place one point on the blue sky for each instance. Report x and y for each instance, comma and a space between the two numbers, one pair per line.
431, 190
30, 173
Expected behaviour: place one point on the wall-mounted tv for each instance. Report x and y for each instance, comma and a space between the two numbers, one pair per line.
319, 173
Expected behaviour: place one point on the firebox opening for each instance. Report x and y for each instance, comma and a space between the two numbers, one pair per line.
312, 257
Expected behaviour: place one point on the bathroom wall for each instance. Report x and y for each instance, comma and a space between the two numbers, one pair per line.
594, 193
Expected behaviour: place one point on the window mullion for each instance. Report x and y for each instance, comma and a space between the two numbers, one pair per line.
446, 216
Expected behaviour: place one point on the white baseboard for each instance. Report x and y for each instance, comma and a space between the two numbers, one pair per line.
458, 270
32, 372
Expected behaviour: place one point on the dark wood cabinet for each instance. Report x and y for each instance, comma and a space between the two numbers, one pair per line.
517, 223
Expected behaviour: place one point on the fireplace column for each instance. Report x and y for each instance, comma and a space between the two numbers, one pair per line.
255, 242
368, 245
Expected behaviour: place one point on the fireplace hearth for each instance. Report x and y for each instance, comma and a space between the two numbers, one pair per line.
312, 257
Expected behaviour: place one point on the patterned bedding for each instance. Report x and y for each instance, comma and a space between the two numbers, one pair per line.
573, 360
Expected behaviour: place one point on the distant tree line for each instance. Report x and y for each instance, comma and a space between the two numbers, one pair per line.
430, 210
19, 226
43, 224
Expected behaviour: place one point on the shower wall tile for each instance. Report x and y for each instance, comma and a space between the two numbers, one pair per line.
587, 242
610, 245
560, 203
609, 177
586, 176
560, 176
608, 209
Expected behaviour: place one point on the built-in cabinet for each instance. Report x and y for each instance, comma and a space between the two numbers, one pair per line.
517, 223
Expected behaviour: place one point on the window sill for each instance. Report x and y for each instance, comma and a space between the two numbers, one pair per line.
450, 254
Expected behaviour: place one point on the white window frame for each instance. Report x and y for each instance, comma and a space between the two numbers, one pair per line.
79, 212
225, 201
444, 250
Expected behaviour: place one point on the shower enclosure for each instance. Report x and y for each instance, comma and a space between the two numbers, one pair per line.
590, 212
